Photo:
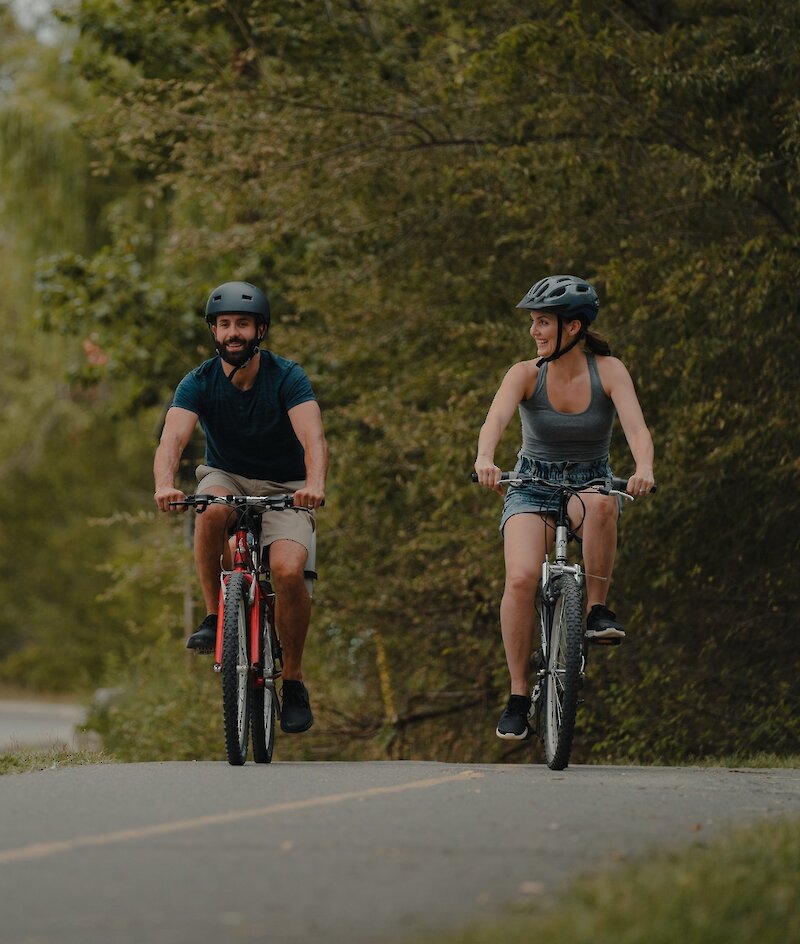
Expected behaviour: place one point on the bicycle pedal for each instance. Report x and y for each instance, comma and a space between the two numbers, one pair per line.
612, 641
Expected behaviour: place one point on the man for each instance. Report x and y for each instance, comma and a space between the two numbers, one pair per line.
264, 436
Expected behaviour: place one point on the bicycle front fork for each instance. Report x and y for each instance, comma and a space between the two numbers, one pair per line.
551, 570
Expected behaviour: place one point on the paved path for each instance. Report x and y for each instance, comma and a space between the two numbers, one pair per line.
38, 724
354, 853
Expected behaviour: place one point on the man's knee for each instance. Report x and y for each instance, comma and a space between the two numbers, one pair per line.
287, 563
214, 519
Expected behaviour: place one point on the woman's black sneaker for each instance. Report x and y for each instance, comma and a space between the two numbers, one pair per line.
513, 723
296, 714
204, 639
603, 627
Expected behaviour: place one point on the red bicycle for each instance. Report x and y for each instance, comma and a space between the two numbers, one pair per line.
248, 648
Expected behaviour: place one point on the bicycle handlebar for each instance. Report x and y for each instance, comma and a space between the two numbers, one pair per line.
619, 485
604, 486
258, 502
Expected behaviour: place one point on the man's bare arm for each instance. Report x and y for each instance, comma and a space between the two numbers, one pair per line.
178, 428
306, 420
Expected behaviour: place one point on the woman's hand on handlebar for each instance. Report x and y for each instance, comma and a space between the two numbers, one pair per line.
163, 497
641, 482
488, 473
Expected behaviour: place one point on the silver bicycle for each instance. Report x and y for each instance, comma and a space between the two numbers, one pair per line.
563, 646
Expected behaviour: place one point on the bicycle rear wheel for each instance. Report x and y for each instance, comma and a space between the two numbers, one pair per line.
263, 713
236, 669
563, 670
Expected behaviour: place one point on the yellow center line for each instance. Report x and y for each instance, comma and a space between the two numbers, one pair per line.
40, 850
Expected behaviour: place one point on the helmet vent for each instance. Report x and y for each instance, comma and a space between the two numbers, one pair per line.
563, 294
241, 298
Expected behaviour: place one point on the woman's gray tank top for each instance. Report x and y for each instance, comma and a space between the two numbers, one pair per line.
551, 436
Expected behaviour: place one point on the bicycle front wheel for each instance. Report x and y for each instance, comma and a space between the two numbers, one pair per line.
263, 714
563, 670
236, 669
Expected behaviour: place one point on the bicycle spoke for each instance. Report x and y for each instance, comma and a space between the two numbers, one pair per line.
236, 674
563, 672
264, 698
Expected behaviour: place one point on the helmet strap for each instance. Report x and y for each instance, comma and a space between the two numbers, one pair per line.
559, 352
252, 350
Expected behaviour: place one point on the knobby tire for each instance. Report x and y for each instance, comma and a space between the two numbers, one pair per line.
236, 681
564, 671
263, 711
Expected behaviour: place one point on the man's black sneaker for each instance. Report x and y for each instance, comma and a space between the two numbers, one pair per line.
513, 723
603, 627
296, 714
204, 639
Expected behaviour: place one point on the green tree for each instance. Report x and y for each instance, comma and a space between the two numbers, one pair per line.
396, 174
65, 464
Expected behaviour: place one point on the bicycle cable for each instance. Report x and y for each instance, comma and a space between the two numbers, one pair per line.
547, 516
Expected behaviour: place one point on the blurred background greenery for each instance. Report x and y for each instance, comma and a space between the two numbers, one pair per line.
396, 174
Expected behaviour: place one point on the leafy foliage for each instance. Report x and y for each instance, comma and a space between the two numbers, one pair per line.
396, 174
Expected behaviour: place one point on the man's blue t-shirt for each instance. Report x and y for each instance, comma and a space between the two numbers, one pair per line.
248, 432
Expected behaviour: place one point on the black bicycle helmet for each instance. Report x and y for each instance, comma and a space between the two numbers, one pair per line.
568, 297
238, 298
567, 294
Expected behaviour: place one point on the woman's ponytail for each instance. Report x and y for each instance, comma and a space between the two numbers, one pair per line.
596, 343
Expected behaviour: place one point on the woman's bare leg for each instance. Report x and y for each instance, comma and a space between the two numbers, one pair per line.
525, 542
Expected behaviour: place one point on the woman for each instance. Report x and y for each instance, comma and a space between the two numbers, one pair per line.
567, 400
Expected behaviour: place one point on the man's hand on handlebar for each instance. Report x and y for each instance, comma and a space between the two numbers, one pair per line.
163, 497
309, 497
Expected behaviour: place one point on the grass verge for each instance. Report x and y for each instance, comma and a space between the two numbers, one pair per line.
735, 890
23, 760
754, 760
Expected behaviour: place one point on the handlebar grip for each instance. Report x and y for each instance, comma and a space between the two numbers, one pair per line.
504, 476
621, 485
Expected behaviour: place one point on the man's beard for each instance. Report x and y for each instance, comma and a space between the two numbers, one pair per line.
240, 356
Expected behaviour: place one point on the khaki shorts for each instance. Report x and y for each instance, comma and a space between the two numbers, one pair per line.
286, 525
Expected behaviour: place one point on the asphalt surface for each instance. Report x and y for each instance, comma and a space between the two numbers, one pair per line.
39, 724
356, 853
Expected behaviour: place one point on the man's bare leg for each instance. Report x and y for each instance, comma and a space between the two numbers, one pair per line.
287, 560
211, 546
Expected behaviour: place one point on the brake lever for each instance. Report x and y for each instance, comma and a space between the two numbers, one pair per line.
606, 490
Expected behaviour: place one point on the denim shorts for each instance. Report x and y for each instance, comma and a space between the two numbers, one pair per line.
538, 500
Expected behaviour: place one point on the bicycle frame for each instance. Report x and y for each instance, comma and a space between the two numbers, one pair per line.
245, 560
248, 660
563, 652
558, 566
560, 671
